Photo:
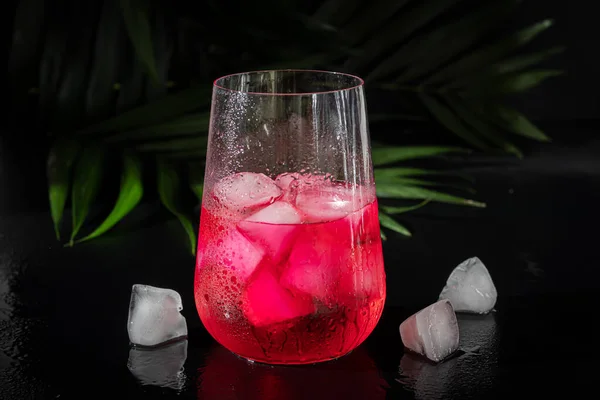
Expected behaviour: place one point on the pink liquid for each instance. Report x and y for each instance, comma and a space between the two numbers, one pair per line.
290, 293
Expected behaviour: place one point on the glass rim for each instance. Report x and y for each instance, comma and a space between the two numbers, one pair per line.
359, 82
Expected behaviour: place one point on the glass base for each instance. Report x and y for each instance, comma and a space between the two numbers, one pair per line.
290, 363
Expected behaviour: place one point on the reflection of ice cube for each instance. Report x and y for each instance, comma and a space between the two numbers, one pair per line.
154, 316
426, 379
246, 190
266, 302
273, 228
161, 366
473, 371
478, 332
470, 288
432, 332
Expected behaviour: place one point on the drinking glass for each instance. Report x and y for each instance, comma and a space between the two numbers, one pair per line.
289, 267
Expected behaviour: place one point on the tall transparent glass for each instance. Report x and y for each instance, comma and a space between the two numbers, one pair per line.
289, 267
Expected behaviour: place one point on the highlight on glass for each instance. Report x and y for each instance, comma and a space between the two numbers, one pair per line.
289, 266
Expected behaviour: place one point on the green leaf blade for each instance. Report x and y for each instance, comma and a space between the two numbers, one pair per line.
466, 112
61, 158
398, 30
187, 125
509, 83
518, 63
86, 183
393, 191
174, 145
485, 55
418, 60
137, 22
196, 178
451, 122
386, 174
168, 188
402, 210
388, 222
517, 123
130, 194
388, 155
165, 109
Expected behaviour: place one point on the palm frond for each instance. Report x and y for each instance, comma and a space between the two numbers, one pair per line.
450, 62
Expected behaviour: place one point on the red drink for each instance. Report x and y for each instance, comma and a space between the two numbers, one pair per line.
289, 271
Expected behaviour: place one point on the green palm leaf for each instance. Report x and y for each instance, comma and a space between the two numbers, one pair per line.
402, 210
168, 189
397, 30
135, 14
518, 63
61, 158
390, 223
430, 49
86, 183
448, 119
196, 178
486, 55
465, 32
394, 191
130, 194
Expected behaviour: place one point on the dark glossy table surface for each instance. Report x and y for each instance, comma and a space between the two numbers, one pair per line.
63, 311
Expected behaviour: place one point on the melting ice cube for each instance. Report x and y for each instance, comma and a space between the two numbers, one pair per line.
154, 316
159, 367
326, 204
470, 288
432, 332
273, 228
313, 266
266, 302
246, 190
236, 252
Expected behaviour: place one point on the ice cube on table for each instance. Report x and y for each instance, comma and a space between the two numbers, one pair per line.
273, 228
470, 288
154, 316
162, 366
246, 191
432, 332
266, 302
328, 203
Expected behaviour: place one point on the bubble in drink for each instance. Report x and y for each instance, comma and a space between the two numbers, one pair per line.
315, 286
